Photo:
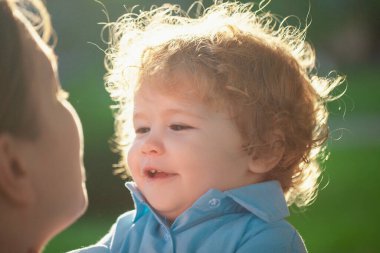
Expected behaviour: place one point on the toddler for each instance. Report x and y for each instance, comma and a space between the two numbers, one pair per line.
220, 120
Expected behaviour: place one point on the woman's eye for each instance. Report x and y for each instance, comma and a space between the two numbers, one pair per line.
142, 130
177, 127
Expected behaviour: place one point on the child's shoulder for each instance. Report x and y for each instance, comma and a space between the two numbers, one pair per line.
126, 218
122, 224
118, 230
279, 236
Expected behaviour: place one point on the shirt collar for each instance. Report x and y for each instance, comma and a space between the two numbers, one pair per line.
140, 203
265, 200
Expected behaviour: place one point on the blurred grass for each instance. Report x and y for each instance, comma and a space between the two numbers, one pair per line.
343, 219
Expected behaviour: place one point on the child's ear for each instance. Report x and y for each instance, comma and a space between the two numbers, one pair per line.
15, 184
266, 162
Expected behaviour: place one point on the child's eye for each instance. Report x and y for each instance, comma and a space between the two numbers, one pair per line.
177, 127
142, 130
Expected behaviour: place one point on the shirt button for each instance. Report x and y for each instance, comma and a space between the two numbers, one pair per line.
213, 203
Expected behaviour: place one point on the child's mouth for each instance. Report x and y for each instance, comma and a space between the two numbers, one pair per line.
155, 174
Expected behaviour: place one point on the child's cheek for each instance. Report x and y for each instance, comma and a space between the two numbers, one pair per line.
132, 158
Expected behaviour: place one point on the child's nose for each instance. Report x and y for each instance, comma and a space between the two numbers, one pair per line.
152, 146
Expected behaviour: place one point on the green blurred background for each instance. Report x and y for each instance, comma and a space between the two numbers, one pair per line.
346, 35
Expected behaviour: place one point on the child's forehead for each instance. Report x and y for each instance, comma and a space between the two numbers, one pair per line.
183, 85
175, 84
150, 99
149, 102
149, 92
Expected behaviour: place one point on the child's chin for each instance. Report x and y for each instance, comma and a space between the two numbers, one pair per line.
169, 212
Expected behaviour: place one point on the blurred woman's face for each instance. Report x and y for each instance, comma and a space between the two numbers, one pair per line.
55, 157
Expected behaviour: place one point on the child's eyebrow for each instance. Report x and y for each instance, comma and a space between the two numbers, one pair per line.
171, 112
185, 112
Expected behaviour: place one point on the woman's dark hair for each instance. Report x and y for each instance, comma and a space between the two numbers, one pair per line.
17, 116
13, 90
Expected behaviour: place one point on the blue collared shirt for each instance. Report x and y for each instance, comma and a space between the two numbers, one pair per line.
246, 219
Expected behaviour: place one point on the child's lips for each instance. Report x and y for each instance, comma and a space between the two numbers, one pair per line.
154, 173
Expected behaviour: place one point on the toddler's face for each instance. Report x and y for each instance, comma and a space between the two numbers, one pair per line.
183, 148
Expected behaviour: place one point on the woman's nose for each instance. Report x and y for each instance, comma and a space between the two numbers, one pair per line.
152, 145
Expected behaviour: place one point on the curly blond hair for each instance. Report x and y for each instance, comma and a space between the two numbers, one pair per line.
241, 59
